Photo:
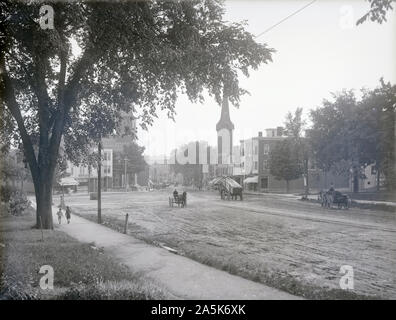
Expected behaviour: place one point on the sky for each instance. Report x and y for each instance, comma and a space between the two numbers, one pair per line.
318, 51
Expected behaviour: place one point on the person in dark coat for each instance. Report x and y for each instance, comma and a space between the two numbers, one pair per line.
175, 194
184, 198
68, 214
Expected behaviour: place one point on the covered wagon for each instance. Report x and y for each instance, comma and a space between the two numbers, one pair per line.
229, 188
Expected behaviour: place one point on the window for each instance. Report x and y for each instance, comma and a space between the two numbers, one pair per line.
266, 148
255, 165
373, 171
107, 156
255, 150
107, 169
265, 164
81, 170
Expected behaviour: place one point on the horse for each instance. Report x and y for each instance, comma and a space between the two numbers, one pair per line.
330, 197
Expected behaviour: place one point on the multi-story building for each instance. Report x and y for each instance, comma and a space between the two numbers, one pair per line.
255, 171
254, 159
88, 175
113, 173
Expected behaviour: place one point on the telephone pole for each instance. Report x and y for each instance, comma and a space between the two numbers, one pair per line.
125, 174
100, 182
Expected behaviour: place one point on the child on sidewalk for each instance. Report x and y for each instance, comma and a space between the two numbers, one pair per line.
59, 214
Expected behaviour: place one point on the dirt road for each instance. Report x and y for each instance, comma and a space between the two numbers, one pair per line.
276, 240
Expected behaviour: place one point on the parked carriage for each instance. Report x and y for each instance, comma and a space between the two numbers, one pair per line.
330, 198
180, 200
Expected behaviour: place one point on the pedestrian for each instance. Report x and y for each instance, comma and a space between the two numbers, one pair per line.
68, 214
60, 214
175, 194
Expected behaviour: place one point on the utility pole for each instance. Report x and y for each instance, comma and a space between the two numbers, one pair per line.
89, 178
100, 182
306, 167
125, 174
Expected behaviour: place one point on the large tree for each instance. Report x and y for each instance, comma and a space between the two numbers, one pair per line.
375, 133
331, 137
131, 160
294, 129
284, 161
101, 58
349, 134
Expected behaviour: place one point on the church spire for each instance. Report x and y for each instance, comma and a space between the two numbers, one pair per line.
225, 121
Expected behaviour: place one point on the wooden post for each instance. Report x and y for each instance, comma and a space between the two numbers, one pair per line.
126, 223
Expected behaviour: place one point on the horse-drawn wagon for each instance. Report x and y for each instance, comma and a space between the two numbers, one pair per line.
180, 200
329, 198
228, 188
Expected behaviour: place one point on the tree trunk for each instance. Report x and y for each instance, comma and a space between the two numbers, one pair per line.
355, 180
44, 203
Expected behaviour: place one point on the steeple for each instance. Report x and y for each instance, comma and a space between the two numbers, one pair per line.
225, 121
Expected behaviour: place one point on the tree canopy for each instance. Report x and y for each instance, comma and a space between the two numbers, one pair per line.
284, 161
378, 11
133, 155
350, 133
104, 58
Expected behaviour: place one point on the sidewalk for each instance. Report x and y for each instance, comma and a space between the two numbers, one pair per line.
181, 276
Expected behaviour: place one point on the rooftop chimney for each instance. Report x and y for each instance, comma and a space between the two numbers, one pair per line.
279, 131
270, 132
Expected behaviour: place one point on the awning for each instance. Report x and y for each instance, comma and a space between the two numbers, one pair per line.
68, 181
253, 179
